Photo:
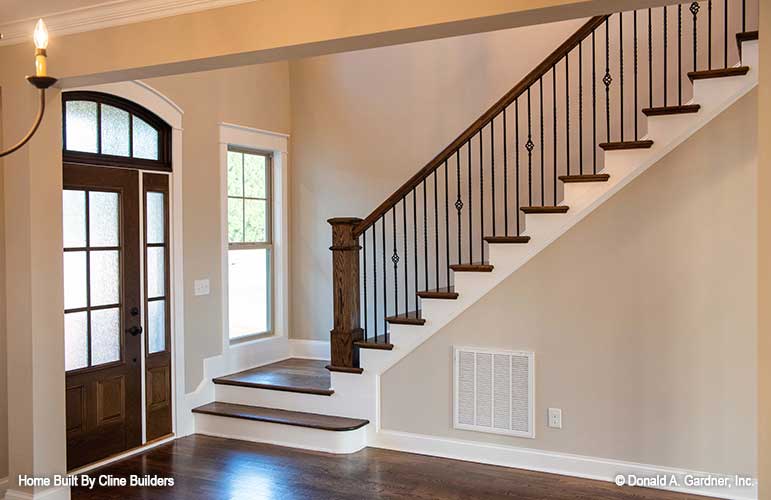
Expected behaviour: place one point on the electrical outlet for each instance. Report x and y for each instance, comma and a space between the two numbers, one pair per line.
201, 287
555, 418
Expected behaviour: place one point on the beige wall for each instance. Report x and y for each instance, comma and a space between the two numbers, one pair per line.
764, 263
642, 318
253, 96
364, 122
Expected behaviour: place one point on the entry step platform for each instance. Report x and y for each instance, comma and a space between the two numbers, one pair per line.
307, 376
285, 417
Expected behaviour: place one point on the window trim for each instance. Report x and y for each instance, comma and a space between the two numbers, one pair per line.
267, 244
163, 163
277, 144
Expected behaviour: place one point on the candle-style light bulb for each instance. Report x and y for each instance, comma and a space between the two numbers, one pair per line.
41, 44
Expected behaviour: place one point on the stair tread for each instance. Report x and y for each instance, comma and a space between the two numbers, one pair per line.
671, 110
718, 73
409, 318
620, 145
507, 239
379, 342
475, 267
585, 178
559, 209
745, 36
308, 376
439, 293
286, 417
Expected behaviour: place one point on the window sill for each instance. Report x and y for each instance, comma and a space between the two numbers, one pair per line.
251, 338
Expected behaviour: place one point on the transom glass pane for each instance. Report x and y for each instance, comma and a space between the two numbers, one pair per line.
75, 341
115, 131
248, 291
254, 215
81, 126
155, 218
145, 140
103, 214
156, 281
235, 173
105, 336
156, 326
74, 218
105, 276
74, 280
254, 176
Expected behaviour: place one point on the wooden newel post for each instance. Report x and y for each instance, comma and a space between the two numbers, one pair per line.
345, 287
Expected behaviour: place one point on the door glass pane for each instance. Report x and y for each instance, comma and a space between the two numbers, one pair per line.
145, 140
156, 325
74, 218
103, 214
156, 283
75, 341
74, 280
81, 126
154, 216
115, 131
256, 230
105, 277
235, 220
254, 176
105, 336
248, 285
235, 174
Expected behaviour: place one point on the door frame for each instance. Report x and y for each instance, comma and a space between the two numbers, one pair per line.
146, 96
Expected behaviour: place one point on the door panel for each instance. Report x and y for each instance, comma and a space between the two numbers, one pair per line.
102, 300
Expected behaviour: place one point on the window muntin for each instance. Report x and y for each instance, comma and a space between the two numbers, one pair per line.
249, 243
103, 129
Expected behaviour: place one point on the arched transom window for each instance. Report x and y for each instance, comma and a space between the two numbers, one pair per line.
104, 129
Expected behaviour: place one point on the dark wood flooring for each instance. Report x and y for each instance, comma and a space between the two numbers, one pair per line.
294, 375
207, 468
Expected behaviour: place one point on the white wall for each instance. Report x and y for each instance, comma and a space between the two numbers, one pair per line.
642, 318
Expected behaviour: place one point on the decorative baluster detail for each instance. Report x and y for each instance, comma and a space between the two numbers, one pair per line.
540, 117
446, 221
679, 54
385, 279
458, 204
395, 261
607, 79
529, 146
695, 12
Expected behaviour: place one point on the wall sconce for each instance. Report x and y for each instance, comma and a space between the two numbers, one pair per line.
41, 81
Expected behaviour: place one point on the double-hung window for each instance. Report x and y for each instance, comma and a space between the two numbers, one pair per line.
249, 243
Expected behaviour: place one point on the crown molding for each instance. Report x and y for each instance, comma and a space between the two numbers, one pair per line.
105, 15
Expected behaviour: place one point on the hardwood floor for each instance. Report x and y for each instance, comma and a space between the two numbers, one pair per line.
208, 468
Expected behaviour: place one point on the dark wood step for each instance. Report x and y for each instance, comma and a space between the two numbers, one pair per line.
672, 110
410, 318
378, 342
745, 36
440, 293
620, 145
307, 376
585, 178
478, 267
345, 369
718, 73
284, 417
507, 239
560, 209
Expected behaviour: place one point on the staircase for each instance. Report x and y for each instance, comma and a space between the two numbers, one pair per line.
610, 102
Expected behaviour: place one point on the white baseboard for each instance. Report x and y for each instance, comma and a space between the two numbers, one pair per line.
309, 349
58, 493
601, 469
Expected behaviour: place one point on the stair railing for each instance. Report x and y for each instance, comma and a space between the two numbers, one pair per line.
549, 127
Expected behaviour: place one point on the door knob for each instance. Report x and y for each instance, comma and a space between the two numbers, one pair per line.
135, 330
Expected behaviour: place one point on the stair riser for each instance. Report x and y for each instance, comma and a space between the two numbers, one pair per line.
339, 403
338, 442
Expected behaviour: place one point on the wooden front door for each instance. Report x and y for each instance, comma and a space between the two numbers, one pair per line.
102, 303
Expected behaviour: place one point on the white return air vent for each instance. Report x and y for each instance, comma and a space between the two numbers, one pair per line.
493, 391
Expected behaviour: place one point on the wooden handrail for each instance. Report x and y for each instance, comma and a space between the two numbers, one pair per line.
481, 122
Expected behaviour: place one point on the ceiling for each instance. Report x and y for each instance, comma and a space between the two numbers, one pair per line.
14, 10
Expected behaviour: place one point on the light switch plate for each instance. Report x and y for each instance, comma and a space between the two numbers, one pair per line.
201, 287
555, 418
